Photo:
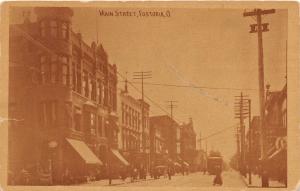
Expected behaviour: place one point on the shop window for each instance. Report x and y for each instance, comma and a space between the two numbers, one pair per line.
77, 119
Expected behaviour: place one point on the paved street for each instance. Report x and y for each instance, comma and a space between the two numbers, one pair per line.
230, 179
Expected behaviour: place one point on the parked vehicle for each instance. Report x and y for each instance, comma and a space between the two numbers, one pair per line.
213, 163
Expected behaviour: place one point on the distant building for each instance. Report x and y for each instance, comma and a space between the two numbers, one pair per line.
145, 132
65, 92
188, 143
130, 136
255, 144
163, 138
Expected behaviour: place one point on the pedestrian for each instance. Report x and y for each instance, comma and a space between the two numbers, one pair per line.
169, 172
264, 178
218, 178
131, 170
204, 170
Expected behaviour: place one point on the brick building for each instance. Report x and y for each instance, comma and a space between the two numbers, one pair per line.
65, 92
163, 138
188, 143
275, 132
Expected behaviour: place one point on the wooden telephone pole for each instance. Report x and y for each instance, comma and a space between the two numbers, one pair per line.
250, 143
241, 112
142, 76
259, 28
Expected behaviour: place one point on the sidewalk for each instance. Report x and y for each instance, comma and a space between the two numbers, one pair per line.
256, 182
115, 182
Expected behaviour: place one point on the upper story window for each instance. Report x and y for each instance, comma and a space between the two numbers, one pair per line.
48, 112
53, 28
53, 72
85, 85
100, 126
43, 28
53, 69
64, 30
93, 123
65, 74
77, 119
94, 94
74, 80
44, 68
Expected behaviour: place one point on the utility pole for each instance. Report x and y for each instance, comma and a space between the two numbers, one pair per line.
200, 141
172, 106
259, 28
241, 112
250, 143
142, 75
238, 148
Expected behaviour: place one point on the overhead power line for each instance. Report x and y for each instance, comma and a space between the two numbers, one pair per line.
216, 133
147, 97
197, 87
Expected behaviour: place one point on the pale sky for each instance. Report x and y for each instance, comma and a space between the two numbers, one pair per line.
198, 47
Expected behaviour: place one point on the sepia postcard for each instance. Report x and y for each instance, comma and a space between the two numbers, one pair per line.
149, 95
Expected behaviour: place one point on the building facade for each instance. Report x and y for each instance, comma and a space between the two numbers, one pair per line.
276, 133
157, 143
130, 136
188, 143
65, 92
163, 138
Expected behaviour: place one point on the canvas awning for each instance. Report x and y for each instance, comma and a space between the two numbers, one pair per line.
185, 163
85, 152
277, 152
120, 157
